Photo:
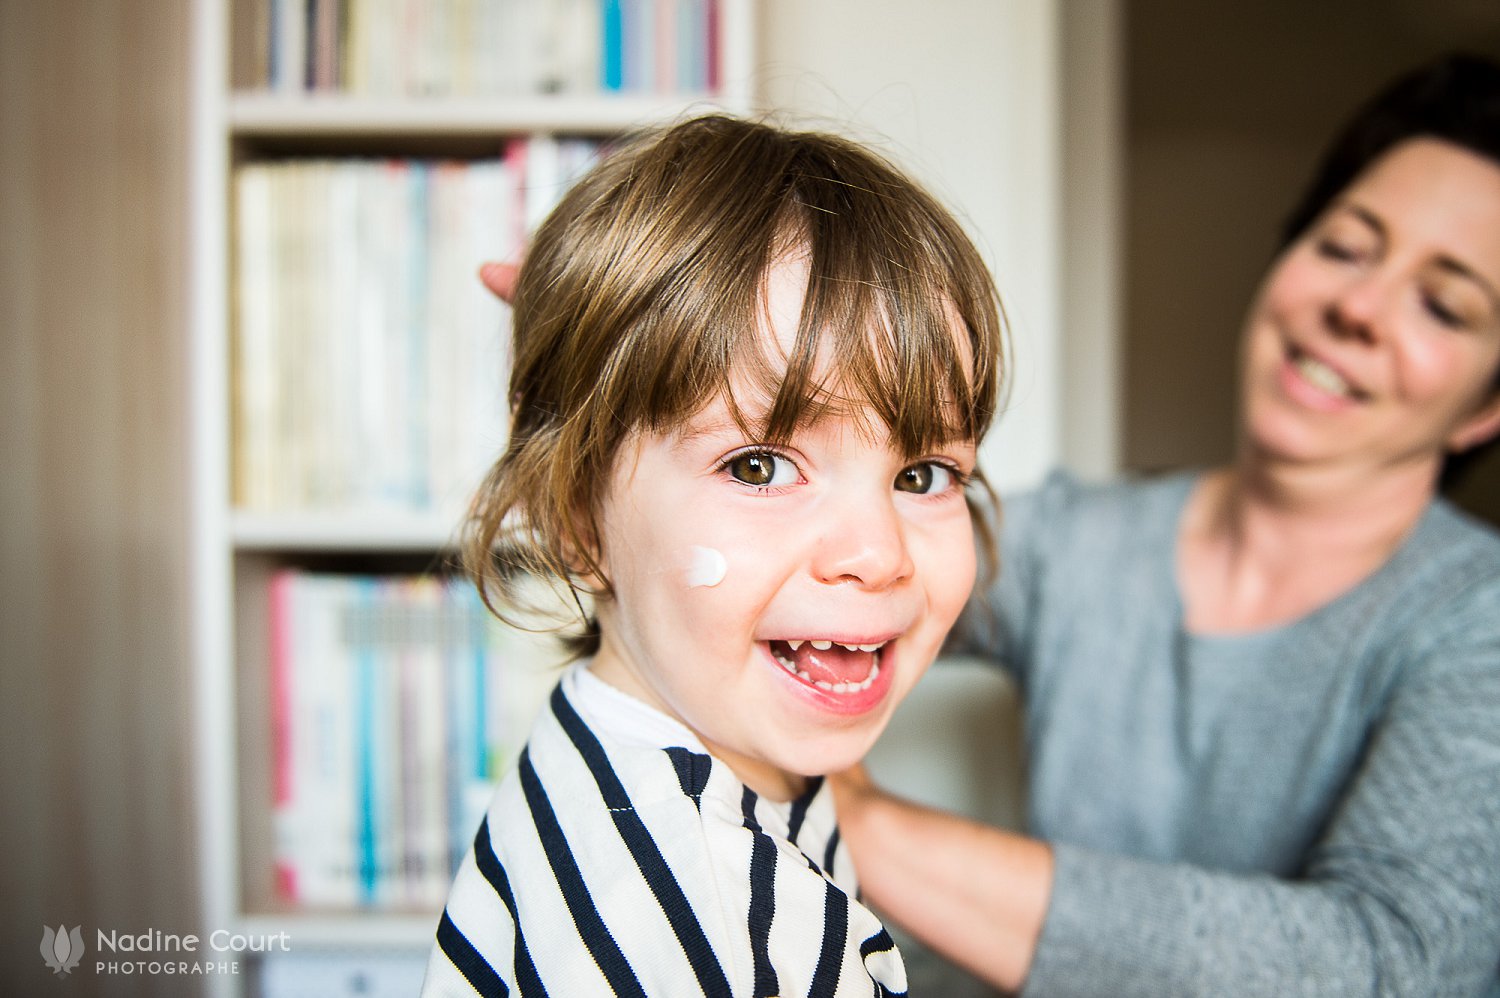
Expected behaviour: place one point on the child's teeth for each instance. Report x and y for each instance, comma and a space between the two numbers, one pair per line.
794, 644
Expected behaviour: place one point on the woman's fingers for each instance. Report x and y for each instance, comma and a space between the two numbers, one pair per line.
500, 278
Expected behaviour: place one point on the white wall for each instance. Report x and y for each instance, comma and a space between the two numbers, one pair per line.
1091, 393
962, 93
968, 95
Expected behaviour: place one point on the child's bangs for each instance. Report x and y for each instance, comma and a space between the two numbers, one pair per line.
900, 319
907, 343
900, 356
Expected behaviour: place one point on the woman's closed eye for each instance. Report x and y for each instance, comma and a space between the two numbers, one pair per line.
1332, 249
1440, 310
1346, 247
1455, 300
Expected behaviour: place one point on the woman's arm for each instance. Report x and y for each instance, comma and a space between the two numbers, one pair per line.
1400, 896
976, 894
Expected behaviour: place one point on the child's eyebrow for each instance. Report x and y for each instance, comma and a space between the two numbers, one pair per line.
723, 419
716, 426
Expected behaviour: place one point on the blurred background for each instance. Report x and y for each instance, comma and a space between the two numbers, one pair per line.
1124, 164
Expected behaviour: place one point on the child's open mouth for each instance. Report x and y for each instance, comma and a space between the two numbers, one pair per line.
830, 665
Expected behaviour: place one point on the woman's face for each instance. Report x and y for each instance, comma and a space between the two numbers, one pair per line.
1375, 338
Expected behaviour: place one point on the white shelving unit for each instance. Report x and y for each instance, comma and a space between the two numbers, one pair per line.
235, 551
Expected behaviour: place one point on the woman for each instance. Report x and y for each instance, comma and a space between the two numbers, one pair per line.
1263, 703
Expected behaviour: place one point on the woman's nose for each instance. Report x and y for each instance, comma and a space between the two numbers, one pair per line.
864, 543
1358, 309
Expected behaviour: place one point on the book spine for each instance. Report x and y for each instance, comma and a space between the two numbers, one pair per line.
397, 703
368, 752
285, 768
427, 826
638, 29
289, 45
323, 19
664, 14
254, 386
338, 320
612, 44
460, 693
417, 494
367, 363
692, 40
713, 56
309, 70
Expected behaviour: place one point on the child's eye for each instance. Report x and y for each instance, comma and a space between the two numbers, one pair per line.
926, 478
761, 469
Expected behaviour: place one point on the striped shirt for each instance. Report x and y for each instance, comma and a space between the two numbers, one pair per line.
620, 858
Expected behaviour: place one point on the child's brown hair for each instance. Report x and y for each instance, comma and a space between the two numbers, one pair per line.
642, 298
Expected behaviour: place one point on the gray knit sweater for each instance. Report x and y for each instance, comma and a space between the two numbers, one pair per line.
1309, 810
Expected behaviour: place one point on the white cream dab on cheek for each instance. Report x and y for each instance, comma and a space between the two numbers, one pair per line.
706, 567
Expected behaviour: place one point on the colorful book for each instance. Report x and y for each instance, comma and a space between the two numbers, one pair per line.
397, 702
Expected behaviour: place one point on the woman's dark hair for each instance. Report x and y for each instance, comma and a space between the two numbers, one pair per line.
1455, 98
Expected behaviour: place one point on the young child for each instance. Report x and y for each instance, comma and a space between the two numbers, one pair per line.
751, 370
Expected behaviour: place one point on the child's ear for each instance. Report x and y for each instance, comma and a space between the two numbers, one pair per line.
1480, 426
585, 555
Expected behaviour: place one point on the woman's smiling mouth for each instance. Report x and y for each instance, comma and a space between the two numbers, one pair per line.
1323, 375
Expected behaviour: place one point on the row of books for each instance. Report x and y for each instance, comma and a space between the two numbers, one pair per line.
482, 47
397, 702
369, 362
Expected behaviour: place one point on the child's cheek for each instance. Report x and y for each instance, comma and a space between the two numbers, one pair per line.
706, 567
727, 564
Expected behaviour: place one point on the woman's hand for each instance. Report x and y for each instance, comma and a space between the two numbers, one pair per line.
501, 279
976, 894
851, 788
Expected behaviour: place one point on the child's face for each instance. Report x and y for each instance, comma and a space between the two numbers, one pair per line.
836, 537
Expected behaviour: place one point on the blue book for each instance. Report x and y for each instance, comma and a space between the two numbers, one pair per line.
613, 48
366, 747
468, 700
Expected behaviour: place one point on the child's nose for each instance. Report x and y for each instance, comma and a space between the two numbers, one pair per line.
864, 543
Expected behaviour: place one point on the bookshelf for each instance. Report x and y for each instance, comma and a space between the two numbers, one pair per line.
238, 549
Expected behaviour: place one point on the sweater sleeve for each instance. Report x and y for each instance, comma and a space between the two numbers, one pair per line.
1399, 896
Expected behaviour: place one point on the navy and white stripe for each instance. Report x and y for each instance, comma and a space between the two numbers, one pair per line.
621, 859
